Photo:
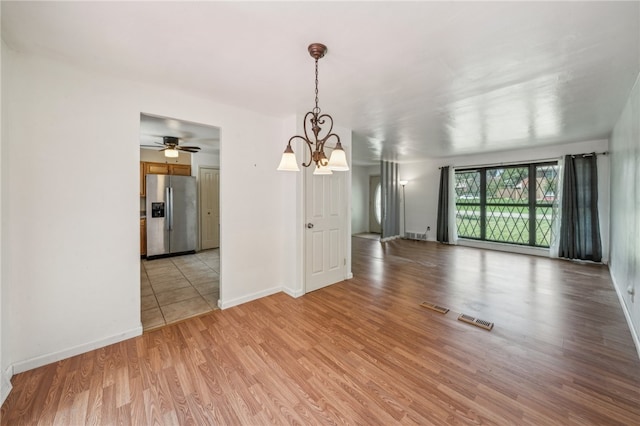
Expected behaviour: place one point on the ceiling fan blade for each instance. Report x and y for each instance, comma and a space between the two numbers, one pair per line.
188, 150
189, 147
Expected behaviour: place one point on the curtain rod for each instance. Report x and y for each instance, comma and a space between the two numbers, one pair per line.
589, 154
515, 163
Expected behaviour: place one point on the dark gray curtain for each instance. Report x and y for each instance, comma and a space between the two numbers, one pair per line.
390, 200
579, 229
442, 231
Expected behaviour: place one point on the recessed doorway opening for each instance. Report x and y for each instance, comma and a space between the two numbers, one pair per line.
175, 286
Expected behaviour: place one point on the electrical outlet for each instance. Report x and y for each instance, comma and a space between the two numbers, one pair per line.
428, 228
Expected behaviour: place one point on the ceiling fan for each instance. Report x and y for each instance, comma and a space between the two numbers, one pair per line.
171, 146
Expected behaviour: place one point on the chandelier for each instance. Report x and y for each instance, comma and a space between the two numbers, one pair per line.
316, 143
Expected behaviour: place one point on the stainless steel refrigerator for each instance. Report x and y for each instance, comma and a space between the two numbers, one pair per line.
171, 215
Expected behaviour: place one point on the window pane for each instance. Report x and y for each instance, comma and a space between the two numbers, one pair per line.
508, 224
544, 217
468, 221
546, 190
546, 184
508, 185
468, 187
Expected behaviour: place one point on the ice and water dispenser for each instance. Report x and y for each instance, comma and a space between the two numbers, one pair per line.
157, 209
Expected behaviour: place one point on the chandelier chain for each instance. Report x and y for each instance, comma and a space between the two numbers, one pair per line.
316, 109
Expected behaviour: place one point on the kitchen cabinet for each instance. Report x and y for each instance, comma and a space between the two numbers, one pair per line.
143, 186
180, 169
149, 168
156, 168
166, 168
143, 236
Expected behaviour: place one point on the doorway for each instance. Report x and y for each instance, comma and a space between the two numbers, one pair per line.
176, 287
375, 205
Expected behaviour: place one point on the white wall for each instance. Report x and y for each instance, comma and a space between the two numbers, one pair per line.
421, 196
625, 210
424, 179
360, 176
72, 272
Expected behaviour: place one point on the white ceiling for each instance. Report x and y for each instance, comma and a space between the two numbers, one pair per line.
412, 79
154, 128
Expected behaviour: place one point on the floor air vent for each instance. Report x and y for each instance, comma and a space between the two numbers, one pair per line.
434, 307
475, 321
415, 236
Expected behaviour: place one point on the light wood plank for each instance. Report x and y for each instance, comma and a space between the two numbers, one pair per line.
364, 351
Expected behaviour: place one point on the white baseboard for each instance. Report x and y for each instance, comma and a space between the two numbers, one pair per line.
349, 275
224, 304
5, 384
511, 248
39, 361
627, 315
293, 293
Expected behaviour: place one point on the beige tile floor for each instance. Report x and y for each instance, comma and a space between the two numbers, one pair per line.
176, 288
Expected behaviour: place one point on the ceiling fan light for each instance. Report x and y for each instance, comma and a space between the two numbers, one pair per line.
288, 162
171, 153
338, 160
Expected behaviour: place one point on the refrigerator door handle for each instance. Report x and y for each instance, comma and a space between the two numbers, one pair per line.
167, 197
171, 208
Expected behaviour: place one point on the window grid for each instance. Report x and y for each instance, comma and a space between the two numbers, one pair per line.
502, 204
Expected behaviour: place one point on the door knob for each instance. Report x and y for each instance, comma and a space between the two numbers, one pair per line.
309, 225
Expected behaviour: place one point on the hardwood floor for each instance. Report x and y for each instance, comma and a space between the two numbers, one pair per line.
365, 352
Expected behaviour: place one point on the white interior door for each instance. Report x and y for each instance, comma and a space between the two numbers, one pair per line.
209, 207
325, 243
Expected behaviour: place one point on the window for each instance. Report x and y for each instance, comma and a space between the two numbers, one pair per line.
378, 204
508, 204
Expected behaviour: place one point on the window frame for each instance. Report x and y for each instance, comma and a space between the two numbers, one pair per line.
532, 203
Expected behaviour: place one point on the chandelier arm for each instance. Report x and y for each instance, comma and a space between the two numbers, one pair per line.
322, 119
326, 138
310, 120
308, 143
